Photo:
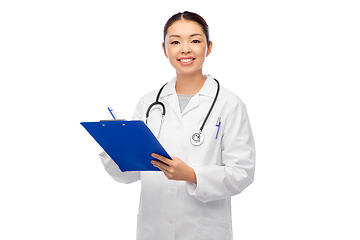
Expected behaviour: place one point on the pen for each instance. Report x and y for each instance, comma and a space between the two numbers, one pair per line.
112, 112
218, 123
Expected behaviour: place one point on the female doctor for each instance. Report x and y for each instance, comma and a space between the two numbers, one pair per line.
207, 132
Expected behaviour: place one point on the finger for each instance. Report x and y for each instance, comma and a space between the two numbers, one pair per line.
161, 158
162, 170
160, 165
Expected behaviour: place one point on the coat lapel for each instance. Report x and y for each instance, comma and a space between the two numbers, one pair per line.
208, 89
194, 102
169, 95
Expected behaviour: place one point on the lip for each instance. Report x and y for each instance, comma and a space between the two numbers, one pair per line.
187, 62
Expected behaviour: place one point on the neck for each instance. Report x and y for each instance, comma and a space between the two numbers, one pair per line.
189, 84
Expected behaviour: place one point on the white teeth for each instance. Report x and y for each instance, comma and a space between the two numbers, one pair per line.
186, 60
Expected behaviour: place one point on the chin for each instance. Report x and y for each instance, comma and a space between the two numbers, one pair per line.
187, 70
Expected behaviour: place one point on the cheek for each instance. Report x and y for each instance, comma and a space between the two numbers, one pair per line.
202, 51
172, 53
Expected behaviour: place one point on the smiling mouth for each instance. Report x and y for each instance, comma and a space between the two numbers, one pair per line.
186, 60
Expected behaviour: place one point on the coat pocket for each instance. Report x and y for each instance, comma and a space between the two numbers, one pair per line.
216, 230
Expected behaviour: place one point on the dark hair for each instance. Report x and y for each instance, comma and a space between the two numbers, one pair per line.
191, 17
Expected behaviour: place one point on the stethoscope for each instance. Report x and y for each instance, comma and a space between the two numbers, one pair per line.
197, 138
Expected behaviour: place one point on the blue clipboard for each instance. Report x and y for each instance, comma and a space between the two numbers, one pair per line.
129, 143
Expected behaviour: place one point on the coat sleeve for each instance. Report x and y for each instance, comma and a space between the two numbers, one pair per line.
112, 168
236, 173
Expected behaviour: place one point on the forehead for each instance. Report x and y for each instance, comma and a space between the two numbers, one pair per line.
184, 28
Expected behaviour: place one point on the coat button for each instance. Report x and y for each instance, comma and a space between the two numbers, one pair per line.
170, 220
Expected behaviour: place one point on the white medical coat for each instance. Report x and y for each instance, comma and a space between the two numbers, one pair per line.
224, 166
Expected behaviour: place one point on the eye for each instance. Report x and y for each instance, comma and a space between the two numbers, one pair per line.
195, 41
175, 42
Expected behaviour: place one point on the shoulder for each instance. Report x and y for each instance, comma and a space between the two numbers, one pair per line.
165, 89
143, 104
151, 95
148, 98
229, 95
233, 108
229, 98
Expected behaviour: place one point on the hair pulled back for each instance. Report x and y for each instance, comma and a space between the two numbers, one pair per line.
191, 17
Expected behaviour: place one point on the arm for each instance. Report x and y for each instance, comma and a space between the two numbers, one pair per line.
114, 171
112, 168
238, 158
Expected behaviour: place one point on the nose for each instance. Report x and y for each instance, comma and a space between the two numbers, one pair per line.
185, 48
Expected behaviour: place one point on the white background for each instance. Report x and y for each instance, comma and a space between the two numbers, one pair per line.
294, 63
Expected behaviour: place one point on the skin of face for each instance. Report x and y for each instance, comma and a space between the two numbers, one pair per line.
186, 40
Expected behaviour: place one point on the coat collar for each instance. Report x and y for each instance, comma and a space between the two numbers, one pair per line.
169, 93
208, 89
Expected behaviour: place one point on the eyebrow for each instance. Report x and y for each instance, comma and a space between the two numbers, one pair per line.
192, 35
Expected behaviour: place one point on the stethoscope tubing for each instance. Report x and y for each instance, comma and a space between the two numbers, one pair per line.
212, 105
157, 102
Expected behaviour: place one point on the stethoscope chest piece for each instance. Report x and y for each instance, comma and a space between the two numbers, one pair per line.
197, 139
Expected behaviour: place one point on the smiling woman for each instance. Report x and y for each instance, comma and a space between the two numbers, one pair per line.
207, 133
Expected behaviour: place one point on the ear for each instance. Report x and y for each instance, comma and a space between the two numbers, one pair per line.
163, 47
209, 49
